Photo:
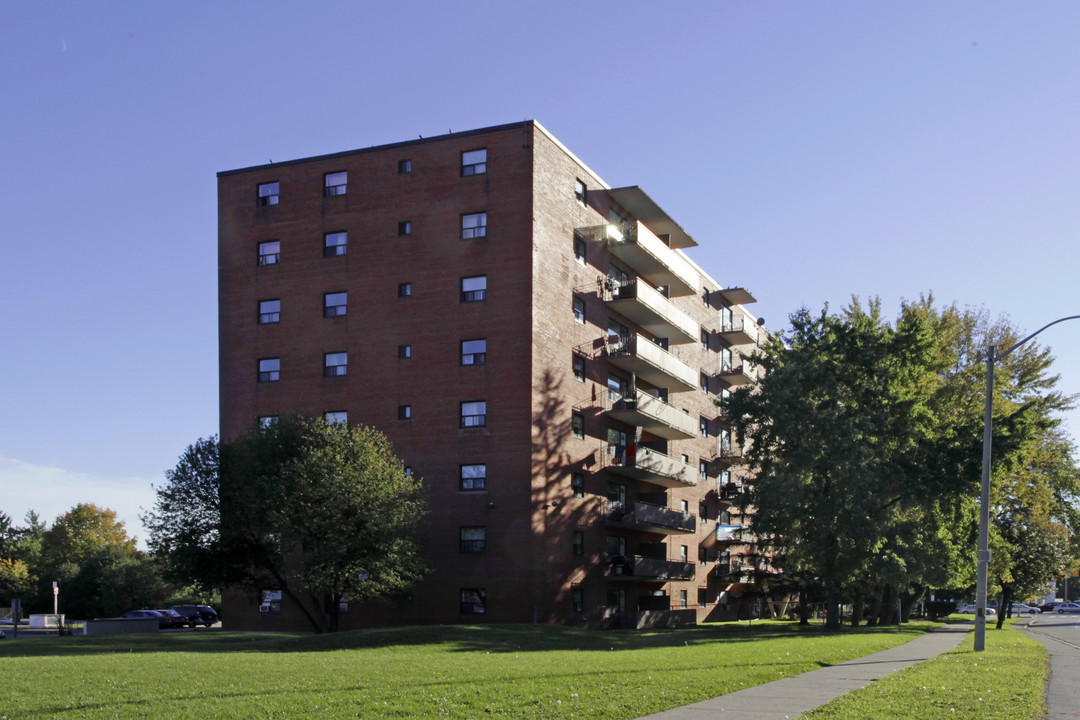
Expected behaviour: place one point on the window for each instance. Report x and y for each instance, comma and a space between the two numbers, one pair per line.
269, 193
408, 471
473, 225
267, 421
577, 426
270, 601
616, 496
473, 477
616, 440
580, 191
705, 297
578, 543
682, 599
404, 167
335, 304
704, 339
474, 162
473, 539
336, 417
703, 425
404, 290
335, 243
579, 310
474, 414
684, 506
335, 364
270, 369
703, 469
617, 388
704, 383
473, 601
404, 352
577, 600
270, 252
684, 556
404, 227
725, 477
579, 249
579, 368
473, 352
269, 312
474, 289
335, 184
404, 412
685, 458
703, 510
577, 484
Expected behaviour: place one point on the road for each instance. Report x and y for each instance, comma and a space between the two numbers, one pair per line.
1061, 636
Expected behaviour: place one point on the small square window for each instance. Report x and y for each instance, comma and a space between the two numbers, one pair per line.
473, 225
335, 244
577, 426
579, 368
474, 414
267, 421
579, 310
404, 167
473, 477
579, 249
580, 191
577, 484
269, 370
685, 459
404, 290
336, 417
474, 352
473, 601
474, 162
335, 304
408, 471
404, 227
335, 364
270, 601
269, 193
473, 539
270, 252
578, 543
474, 289
404, 352
404, 412
335, 184
269, 312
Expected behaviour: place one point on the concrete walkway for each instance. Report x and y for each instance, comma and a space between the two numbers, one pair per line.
1063, 644
789, 698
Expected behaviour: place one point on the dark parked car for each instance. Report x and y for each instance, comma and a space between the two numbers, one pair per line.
163, 621
175, 619
200, 614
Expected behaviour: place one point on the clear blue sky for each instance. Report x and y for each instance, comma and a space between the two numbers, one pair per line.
815, 149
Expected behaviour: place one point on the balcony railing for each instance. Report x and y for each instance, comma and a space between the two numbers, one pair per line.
651, 518
732, 373
728, 533
649, 465
647, 568
738, 332
654, 415
650, 362
647, 255
652, 311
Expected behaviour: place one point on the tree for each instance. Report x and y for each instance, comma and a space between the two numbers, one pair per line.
113, 581
80, 532
15, 579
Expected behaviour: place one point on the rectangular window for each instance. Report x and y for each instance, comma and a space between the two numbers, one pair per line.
705, 297
704, 339
404, 227
473, 225
580, 191
404, 167
474, 289
579, 310
335, 304
682, 597
577, 600
269, 193
617, 388
703, 425
577, 484
725, 477
404, 412
335, 243
684, 556
704, 383
579, 368
473, 601
616, 440
579, 543
270, 252
473, 477
404, 352
335, 184
404, 290
474, 162
336, 417
473, 352
269, 370
577, 426
703, 469
473, 539
270, 601
335, 364
474, 414
703, 510
579, 249
268, 421
269, 312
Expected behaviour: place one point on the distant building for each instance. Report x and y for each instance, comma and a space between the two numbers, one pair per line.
538, 348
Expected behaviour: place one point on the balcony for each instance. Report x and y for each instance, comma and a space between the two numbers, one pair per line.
728, 533
650, 518
650, 362
738, 332
638, 567
726, 456
655, 416
648, 308
732, 373
647, 255
637, 203
736, 296
650, 466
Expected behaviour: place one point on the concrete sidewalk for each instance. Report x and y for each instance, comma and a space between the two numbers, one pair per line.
789, 698
1063, 690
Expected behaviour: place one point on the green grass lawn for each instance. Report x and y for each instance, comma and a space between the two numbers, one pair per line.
510, 671
1005, 682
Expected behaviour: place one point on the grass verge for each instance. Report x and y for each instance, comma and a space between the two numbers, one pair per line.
507, 671
1005, 682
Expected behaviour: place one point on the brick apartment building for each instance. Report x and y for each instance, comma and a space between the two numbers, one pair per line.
538, 348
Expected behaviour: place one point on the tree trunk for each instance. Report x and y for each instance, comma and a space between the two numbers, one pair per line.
875, 611
857, 610
1004, 605
804, 611
888, 607
832, 609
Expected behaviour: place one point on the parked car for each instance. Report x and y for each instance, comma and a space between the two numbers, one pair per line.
1047, 607
175, 619
2, 634
970, 609
1069, 607
200, 614
1022, 609
163, 621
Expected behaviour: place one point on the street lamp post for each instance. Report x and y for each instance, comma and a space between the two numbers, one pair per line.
984, 497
